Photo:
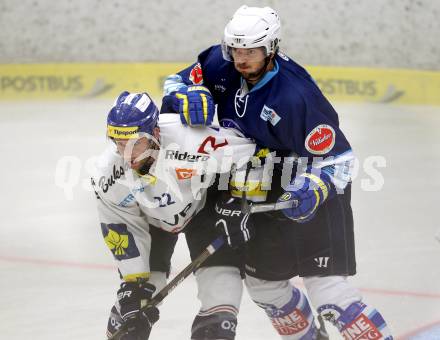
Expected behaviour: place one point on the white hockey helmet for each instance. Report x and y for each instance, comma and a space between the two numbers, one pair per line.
252, 27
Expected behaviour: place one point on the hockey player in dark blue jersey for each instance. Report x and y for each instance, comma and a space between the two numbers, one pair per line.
273, 100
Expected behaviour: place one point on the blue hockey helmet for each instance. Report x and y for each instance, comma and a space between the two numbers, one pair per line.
132, 114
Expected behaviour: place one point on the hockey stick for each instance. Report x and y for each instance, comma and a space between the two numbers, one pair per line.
197, 262
209, 250
264, 207
247, 208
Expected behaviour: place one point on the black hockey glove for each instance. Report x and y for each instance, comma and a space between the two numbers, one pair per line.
132, 296
232, 222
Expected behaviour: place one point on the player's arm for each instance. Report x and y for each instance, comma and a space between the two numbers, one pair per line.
229, 151
126, 234
325, 158
315, 182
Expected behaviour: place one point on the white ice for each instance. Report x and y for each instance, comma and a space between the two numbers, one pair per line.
58, 279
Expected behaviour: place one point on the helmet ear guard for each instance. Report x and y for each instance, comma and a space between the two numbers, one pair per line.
252, 27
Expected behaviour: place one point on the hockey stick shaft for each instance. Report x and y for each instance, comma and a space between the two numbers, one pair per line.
265, 207
196, 263
209, 250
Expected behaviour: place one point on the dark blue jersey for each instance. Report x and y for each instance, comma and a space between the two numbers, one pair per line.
279, 112
285, 111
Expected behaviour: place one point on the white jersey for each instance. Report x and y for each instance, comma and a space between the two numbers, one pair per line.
167, 198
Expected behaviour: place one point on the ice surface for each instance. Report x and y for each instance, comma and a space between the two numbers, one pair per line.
58, 278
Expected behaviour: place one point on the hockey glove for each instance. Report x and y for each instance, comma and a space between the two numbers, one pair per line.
307, 192
195, 105
231, 222
132, 296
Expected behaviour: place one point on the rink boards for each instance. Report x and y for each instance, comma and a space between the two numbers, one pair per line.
106, 80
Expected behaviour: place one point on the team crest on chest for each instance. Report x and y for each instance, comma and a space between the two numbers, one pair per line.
269, 115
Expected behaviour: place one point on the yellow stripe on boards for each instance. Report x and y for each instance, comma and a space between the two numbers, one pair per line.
107, 80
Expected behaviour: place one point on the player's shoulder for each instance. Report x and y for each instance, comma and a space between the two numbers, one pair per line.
292, 74
105, 161
168, 119
171, 127
213, 64
173, 133
290, 66
109, 168
295, 85
212, 53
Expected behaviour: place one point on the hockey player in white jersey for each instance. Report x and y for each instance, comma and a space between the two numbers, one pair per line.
150, 184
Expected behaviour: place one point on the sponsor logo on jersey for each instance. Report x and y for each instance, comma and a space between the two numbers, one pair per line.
196, 75
361, 329
185, 173
210, 143
127, 200
219, 88
269, 115
320, 140
185, 156
105, 183
290, 324
120, 241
